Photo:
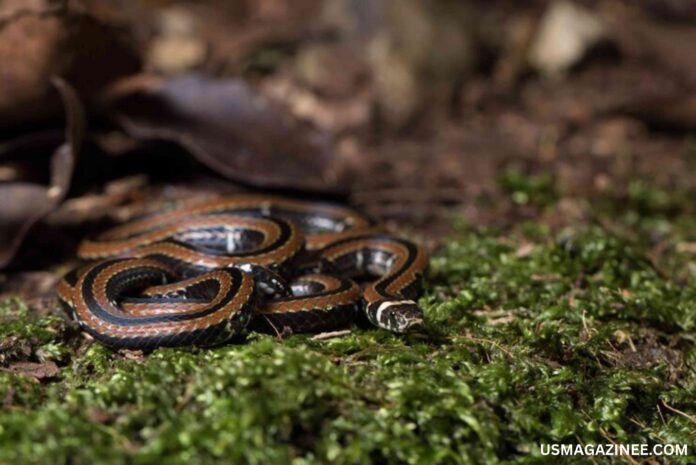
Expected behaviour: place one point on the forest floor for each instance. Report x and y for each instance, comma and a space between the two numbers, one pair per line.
558, 207
535, 335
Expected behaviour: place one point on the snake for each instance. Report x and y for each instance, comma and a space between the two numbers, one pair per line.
208, 271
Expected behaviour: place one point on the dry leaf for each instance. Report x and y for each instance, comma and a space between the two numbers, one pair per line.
230, 128
37, 371
23, 203
43, 38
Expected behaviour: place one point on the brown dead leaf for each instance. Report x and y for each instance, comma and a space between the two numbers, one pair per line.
97, 415
24, 203
38, 371
43, 38
31, 285
230, 128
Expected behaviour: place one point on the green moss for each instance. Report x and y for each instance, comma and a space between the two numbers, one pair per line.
534, 337
528, 189
24, 334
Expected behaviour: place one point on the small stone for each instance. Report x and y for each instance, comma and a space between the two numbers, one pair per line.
566, 32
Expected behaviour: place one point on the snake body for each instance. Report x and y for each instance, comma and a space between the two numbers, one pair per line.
205, 272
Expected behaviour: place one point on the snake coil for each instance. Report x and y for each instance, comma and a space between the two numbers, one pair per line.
205, 272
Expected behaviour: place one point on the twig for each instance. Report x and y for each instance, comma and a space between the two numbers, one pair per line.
487, 341
331, 334
278, 334
659, 410
677, 411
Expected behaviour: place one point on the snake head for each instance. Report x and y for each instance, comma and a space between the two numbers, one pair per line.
399, 316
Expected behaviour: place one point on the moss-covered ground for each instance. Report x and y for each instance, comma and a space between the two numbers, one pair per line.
536, 334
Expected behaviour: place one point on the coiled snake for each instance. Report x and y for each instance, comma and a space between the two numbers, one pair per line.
205, 272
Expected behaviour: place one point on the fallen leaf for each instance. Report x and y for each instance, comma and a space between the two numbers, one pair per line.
44, 38
37, 371
229, 127
97, 415
29, 285
24, 203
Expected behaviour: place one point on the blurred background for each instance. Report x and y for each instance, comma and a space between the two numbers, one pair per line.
423, 113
